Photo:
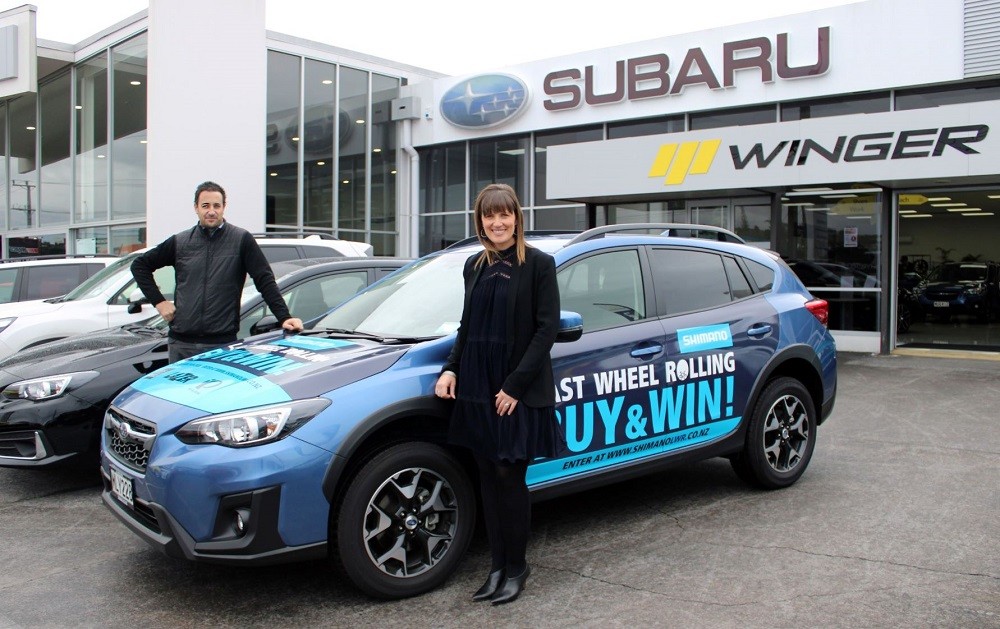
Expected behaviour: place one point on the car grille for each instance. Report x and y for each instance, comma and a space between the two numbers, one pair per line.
130, 439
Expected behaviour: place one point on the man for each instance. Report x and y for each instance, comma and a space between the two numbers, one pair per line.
211, 262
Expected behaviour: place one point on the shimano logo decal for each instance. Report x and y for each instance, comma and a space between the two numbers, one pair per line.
484, 101
704, 337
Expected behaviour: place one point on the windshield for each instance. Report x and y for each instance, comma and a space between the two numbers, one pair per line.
110, 276
963, 273
421, 300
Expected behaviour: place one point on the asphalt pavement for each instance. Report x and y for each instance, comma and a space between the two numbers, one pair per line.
895, 524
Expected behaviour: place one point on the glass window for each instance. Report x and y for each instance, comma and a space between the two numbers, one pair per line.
127, 239
92, 240
761, 114
128, 169
42, 282
442, 178
91, 109
763, 276
437, 231
498, 161
352, 173
8, 279
752, 222
947, 95
737, 281
688, 280
635, 128
318, 132
56, 174
545, 140
23, 168
605, 289
3, 167
568, 218
839, 106
282, 137
384, 145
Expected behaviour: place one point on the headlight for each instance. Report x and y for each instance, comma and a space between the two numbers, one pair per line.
6, 322
48, 387
253, 426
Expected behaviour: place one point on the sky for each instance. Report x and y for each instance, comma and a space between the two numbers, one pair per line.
451, 37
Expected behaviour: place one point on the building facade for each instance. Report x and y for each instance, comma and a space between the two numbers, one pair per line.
867, 156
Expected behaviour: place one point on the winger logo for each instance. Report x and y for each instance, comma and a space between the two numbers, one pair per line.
677, 161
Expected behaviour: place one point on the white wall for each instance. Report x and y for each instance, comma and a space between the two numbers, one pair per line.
206, 111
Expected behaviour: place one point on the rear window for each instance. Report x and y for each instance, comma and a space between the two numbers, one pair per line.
762, 275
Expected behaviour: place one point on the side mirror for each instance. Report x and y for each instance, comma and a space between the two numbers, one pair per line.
135, 301
266, 324
570, 327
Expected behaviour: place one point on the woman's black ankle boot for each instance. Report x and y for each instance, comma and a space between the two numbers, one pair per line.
511, 587
493, 582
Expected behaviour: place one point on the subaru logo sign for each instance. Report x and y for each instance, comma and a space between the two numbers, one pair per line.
484, 101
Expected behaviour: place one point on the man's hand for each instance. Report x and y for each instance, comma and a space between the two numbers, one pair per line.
166, 310
292, 325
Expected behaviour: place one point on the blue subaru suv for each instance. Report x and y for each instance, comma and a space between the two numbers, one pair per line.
330, 443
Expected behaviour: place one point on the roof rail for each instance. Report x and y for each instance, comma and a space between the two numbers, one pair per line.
537, 233
296, 234
58, 256
665, 229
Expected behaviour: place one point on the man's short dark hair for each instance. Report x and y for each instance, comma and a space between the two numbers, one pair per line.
209, 186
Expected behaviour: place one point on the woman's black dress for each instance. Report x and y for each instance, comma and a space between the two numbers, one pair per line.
527, 433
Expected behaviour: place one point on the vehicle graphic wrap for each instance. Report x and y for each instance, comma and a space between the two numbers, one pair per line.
643, 410
230, 378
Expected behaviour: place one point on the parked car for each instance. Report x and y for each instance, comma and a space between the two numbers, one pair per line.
111, 298
25, 279
53, 396
331, 442
963, 288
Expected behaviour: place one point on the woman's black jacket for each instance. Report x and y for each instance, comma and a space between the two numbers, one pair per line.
532, 325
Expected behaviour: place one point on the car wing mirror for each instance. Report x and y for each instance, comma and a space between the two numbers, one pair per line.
570, 327
266, 324
135, 301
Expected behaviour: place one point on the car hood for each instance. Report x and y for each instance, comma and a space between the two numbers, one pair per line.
266, 370
954, 287
85, 351
26, 308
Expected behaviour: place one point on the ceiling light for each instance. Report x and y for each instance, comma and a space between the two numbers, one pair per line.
939, 198
979, 214
811, 190
797, 204
993, 196
359, 121
321, 163
100, 156
392, 172
79, 106
143, 141
907, 211
30, 128
295, 138
838, 196
376, 150
327, 81
274, 174
917, 215
135, 82
346, 181
949, 204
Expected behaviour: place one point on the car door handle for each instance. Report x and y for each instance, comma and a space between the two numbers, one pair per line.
648, 350
759, 330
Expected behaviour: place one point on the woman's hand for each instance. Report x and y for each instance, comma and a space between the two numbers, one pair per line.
445, 386
504, 403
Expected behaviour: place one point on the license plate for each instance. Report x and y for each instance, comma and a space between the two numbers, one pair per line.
121, 487
941, 304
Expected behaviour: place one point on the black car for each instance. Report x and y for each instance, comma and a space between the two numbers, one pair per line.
53, 396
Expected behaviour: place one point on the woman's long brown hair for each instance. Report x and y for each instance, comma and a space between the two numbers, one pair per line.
498, 198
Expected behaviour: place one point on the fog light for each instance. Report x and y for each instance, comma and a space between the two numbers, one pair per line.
240, 521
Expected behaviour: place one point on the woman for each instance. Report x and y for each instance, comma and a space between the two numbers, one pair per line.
500, 374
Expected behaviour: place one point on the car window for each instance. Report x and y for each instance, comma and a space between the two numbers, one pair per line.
112, 275
7, 279
308, 300
737, 281
164, 278
280, 253
688, 280
763, 276
42, 282
605, 289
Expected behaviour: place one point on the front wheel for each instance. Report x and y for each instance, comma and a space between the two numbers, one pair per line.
780, 438
405, 521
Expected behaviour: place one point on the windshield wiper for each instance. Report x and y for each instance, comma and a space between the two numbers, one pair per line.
343, 333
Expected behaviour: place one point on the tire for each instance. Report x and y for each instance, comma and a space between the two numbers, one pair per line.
405, 521
780, 438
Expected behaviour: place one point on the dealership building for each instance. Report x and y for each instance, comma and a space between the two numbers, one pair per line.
859, 142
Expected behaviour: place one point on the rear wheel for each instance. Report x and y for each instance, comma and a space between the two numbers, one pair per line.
405, 521
780, 438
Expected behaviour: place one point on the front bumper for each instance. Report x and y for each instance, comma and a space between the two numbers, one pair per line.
260, 545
